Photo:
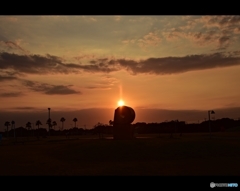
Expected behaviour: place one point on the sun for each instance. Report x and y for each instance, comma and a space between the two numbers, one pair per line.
120, 103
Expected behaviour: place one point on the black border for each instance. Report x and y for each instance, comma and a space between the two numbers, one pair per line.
120, 8
117, 182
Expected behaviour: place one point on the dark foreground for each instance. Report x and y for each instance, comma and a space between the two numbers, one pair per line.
191, 154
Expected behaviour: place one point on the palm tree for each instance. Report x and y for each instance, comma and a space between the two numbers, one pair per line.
7, 123
28, 126
49, 122
62, 120
54, 124
38, 122
75, 120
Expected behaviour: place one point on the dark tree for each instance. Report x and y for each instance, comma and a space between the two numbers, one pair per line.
62, 120
38, 122
75, 120
54, 124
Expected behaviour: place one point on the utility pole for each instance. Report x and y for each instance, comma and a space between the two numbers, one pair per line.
209, 125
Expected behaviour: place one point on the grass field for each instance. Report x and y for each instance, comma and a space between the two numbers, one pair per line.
190, 154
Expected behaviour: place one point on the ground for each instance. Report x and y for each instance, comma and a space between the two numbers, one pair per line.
189, 154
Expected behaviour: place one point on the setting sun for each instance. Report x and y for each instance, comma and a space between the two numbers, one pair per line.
120, 103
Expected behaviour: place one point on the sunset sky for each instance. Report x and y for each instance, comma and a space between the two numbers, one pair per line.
164, 67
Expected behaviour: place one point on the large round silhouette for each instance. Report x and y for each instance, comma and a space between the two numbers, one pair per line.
124, 115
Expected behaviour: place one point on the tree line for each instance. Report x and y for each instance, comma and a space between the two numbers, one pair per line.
171, 127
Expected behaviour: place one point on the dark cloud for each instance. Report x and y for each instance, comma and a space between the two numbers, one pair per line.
227, 27
61, 90
223, 39
166, 65
97, 87
11, 94
171, 65
9, 45
31, 63
24, 108
13, 45
91, 87
206, 37
49, 89
220, 31
37, 64
225, 20
6, 78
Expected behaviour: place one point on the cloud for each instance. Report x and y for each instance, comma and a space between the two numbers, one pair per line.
148, 40
7, 78
10, 45
24, 108
11, 94
151, 39
173, 65
29, 63
221, 21
166, 65
61, 90
218, 31
49, 64
98, 87
49, 89
220, 39
224, 42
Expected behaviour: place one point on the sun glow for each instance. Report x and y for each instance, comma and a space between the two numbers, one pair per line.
120, 103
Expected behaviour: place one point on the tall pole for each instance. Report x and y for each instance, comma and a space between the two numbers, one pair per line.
209, 113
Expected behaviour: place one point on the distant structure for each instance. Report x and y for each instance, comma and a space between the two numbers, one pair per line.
122, 128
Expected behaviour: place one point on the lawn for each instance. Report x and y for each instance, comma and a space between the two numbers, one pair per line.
190, 154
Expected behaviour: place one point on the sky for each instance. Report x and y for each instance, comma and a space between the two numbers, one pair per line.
164, 67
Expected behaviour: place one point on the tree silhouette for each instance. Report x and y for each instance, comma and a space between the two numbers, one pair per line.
49, 122
99, 129
38, 122
75, 120
28, 126
62, 120
7, 123
54, 124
